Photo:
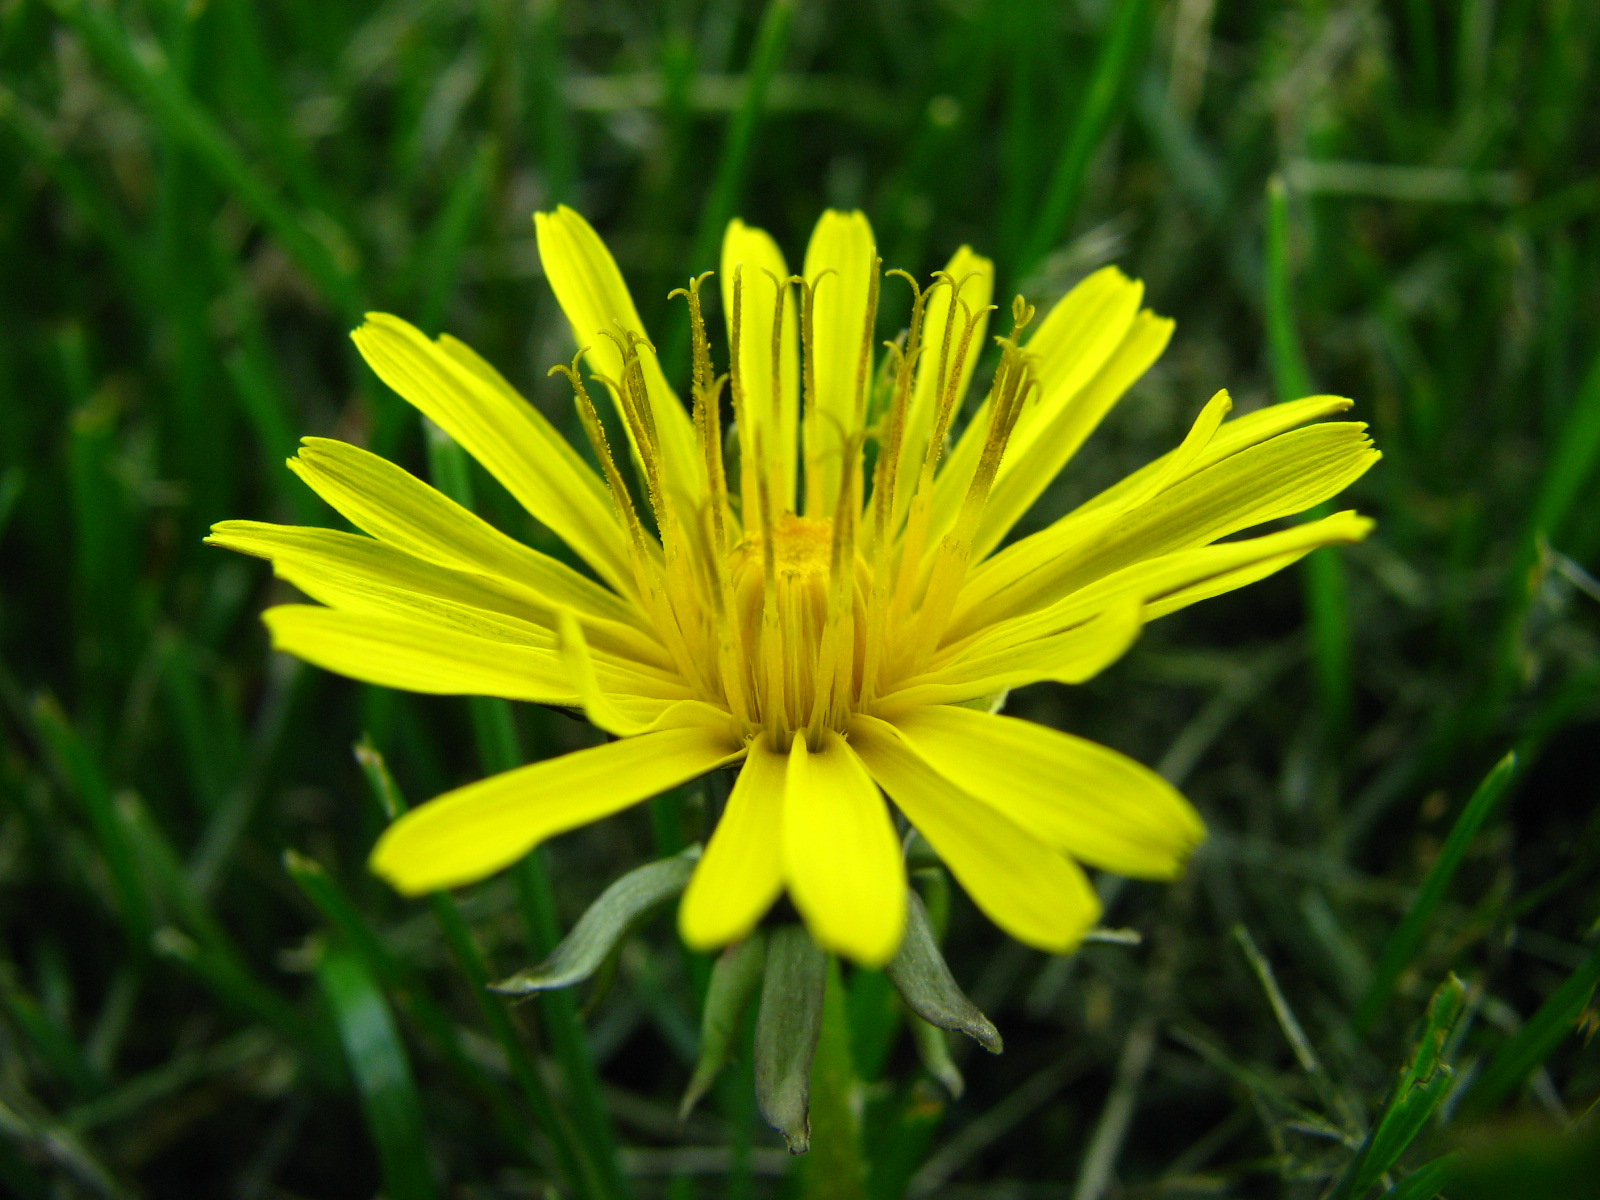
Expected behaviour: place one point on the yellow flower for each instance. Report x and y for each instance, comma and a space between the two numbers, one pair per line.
834, 611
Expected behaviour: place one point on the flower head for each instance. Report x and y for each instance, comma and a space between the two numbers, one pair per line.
821, 596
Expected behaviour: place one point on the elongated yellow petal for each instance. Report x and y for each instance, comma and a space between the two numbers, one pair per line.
476, 830
1033, 892
504, 433
773, 410
436, 646
1085, 354
362, 583
1164, 584
597, 706
1026, 471
1097, 805
417, 656
349, 571
1073, 343
1272, 479
1091, 521
841, 858
395, 506
629, 706
1073, 655
839, 267
1238, 434
591, 291
1342, 527
741, 872
355, 565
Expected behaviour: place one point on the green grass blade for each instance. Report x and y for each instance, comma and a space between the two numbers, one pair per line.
1423, 1085
12, 481
86, 196
600, 1180
54, 1044
727, 185
556, 137
89, 786
18, 1174
1551, 1025
1425, 1183
1327, 598
165, 878
276, 439
1573, 462
237, 992
1407, 935
227, 825
439, 257
23, 1120
382, 1072
1108, 89
347, 922
141, 70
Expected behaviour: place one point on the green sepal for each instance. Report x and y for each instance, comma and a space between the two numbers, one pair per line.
734, 980
788, 1025
583, 951
924, 981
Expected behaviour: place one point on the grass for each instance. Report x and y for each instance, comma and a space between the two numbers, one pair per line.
203, 992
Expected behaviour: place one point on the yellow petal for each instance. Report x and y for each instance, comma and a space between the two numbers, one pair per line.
476, 830
1163, 584
358, 581
1026, 471
839, 266
627, 706
1238, 434
841, 858
591, 291
1097, 805
1090, 521
1341, 527
1273, 479
348, 571
741, 872
1073, 655
601, 710
395, 506
774, 411
941, 342
1033, 892
1085, 354
506, 434
355, 566
1072, 345
418, 656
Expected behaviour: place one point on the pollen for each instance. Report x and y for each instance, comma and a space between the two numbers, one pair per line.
801, 546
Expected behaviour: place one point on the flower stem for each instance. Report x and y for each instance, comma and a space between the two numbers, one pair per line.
834, 1169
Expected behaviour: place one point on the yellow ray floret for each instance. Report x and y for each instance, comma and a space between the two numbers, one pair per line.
836, 613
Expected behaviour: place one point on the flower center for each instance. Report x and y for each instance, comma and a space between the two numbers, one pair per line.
800, 545
801, 665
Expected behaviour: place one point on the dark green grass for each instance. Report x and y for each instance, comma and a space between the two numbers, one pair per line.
197, 201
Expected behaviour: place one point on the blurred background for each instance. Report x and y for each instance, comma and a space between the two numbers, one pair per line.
1397, 202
